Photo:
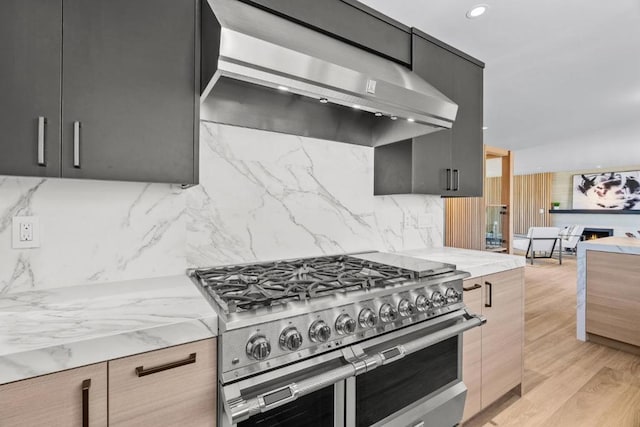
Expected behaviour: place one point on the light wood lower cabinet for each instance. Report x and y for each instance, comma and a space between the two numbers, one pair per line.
493, 353
63, 399
170, 387
613, 296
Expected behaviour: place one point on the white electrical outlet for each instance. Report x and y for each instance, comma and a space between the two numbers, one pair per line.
408, 220
26, 232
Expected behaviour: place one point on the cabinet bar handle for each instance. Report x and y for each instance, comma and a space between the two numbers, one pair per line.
42, 122
472, 288
456, 174
449, 180
141, 372
86, 385
76, 144
490, 286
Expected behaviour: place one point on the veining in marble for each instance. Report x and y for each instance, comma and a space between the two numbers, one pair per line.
91, 231
50, 330
267, 196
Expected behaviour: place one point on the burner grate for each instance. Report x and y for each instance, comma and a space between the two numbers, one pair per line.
247, 287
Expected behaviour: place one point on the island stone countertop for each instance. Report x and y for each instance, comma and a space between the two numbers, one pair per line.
477, 263
621, 245
52, 330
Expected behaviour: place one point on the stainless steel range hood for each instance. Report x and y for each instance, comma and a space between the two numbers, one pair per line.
264, 72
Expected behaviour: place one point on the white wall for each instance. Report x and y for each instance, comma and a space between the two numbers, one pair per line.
262, 196
586, 153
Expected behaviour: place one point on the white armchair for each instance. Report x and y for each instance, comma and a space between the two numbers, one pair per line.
540, 242
571, 236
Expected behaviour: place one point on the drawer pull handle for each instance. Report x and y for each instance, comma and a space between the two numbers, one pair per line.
490, 286
472, 288
86, 385
141, 372
76, 144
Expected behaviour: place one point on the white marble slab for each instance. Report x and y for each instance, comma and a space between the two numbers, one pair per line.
91, 231
265, 196
621, 245
52, 330
477, 263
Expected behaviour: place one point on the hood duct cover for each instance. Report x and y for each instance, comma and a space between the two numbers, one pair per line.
264, 72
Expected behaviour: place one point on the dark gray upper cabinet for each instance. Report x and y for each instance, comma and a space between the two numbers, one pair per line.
31, 52
125, 104
447, 162
350, 21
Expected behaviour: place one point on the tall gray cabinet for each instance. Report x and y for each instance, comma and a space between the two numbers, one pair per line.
447, 162
30, 73
116, 81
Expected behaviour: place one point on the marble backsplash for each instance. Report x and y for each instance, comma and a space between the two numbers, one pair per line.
262, 196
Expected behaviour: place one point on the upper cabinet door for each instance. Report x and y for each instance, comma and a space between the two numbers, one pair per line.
130, 106
432, 171
30, 47
467, 148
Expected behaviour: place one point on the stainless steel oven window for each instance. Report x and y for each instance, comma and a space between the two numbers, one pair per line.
396, 386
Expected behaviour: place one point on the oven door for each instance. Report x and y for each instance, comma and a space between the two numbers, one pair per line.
309, 393
413, 385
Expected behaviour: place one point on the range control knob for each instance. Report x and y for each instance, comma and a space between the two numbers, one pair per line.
367, 318
319, 331
423, 303
345, 324
258, 347
388, 313
406, 308
290, 339
437, 300
453, 296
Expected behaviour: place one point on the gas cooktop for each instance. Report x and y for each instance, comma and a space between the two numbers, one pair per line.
246, 287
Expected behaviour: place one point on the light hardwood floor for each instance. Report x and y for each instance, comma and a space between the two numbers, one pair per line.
567, 382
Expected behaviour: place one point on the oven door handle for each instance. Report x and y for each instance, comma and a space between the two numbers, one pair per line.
398, 352
240, 409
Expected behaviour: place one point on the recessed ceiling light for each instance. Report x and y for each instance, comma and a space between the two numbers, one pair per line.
485, 127
356, 106
323, 100
477, 10
411, 119
283, 88
378, 114
394, 117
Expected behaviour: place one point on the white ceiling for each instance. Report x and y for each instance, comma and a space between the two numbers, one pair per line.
562, 78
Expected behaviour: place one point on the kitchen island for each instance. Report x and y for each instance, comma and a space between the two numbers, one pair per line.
608, 295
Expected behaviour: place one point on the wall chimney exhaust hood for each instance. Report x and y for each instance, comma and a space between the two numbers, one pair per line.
264, 72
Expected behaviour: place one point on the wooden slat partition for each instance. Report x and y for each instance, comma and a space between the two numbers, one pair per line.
530, 194
465, 222
493, 190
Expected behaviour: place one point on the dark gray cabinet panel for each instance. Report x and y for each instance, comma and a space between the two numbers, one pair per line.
432, 153
31, 49
129, 81
348, 20
447, 162
467, 154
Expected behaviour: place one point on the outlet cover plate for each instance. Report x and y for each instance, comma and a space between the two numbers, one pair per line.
24, 227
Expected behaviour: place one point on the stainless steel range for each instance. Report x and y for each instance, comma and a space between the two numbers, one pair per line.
357, 340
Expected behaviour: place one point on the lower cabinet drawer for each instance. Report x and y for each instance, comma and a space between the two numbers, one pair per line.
175, 386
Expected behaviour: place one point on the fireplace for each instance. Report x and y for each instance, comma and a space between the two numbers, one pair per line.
596, 233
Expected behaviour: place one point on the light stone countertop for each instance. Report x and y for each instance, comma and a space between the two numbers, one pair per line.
622, 245
47, 331
477, 263
52, 330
